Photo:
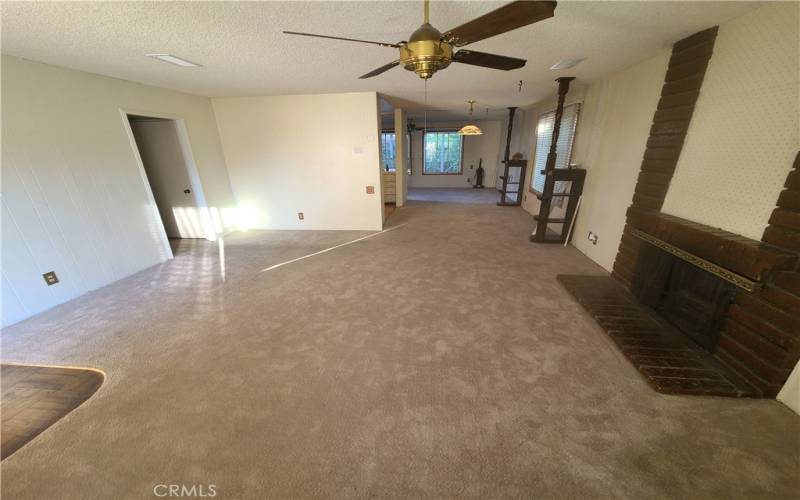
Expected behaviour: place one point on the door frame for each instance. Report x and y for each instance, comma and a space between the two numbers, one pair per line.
191, 170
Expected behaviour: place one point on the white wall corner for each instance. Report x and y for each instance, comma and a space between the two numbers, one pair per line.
790, 393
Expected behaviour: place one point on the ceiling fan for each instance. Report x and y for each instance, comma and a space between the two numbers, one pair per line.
428, 50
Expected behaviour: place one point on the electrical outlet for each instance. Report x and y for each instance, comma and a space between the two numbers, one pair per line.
50, 278
593, 238
370, 189
300, 215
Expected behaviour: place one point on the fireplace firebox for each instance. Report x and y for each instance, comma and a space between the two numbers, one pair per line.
693, 300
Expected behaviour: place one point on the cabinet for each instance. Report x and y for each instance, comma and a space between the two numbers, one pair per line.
389, 187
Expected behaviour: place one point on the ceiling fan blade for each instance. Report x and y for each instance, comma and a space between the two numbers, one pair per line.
382, 44
488, 60
376, 72
506, 18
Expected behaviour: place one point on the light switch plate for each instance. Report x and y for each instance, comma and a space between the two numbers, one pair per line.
370, 189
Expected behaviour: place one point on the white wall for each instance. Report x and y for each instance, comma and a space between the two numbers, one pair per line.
475, 147
401, 156
304, 153
73, 198
745, 131
790, 393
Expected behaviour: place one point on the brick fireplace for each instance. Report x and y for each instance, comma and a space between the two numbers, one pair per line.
755, 332
758, 334
734, 300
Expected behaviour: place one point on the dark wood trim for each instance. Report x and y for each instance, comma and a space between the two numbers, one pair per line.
506, 165
553, 175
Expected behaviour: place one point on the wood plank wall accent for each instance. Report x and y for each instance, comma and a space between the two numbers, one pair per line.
685, 73
760, 339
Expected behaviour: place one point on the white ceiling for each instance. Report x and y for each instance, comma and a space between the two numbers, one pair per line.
243, 51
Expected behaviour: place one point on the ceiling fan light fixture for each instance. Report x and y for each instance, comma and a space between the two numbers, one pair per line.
428, 50
567, 63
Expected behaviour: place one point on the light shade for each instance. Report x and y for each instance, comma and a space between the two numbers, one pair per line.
470, 129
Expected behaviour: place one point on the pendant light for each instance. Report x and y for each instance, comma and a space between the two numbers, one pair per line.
470, 128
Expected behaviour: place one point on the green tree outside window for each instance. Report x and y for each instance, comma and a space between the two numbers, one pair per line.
442, 152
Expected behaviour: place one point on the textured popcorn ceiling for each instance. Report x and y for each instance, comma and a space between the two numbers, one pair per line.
745, 130
243, 51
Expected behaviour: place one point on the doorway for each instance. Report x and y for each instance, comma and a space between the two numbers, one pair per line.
388, 150
169, 171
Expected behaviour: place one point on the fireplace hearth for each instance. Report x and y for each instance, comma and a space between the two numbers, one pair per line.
667, 359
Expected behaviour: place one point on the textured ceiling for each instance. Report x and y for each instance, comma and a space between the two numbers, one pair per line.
243, 51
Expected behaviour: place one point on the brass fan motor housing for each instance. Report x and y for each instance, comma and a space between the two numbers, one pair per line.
425, 53
428, 50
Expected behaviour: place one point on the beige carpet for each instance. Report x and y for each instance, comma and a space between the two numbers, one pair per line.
438, 360
488, 196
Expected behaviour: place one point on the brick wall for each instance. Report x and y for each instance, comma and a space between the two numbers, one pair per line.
760, 339
761, 336
682, 82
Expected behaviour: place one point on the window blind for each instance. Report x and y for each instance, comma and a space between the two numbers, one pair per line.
544, 134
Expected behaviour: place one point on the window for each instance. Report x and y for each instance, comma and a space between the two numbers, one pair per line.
544, 133
388, 151
442, 152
